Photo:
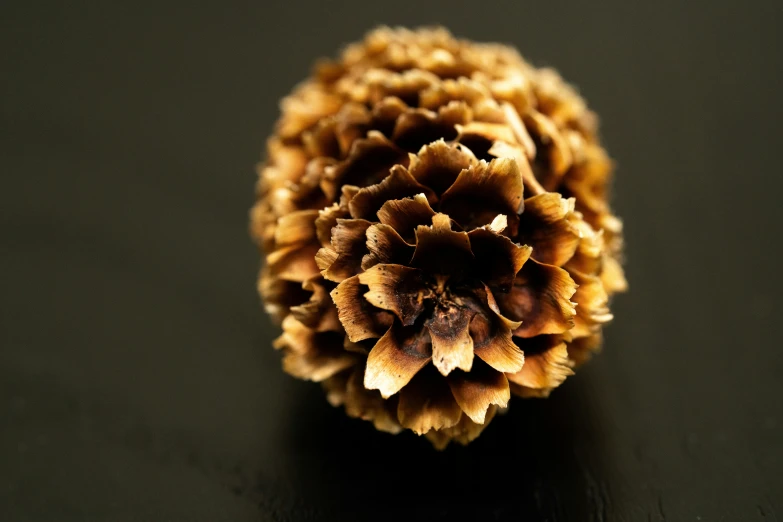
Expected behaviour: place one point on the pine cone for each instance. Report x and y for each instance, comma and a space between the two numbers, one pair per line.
437, 233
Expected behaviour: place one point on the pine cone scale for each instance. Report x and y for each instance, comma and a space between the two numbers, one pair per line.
396, 358
475, 391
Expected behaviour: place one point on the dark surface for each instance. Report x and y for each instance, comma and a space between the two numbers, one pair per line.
137, 380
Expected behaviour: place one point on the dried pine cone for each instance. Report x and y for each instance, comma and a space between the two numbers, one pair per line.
433, 200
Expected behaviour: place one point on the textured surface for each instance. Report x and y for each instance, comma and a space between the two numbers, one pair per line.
136, 379
414, 224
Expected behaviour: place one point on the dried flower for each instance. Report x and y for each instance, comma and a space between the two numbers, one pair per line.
437, 233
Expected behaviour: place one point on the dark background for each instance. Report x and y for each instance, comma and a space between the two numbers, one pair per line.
137, 381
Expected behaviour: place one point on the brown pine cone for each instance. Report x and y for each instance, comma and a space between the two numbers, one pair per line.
433, 200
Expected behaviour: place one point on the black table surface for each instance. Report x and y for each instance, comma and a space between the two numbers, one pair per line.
137, 380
